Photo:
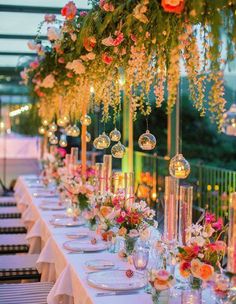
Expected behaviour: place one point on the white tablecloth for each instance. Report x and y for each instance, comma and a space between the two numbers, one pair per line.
68, 270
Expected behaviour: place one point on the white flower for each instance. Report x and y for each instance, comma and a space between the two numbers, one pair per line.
48, 82
133, 233
145, 234
53, 33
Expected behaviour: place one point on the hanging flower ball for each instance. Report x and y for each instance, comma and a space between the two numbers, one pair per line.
69, 10
147, 141
179, 167
173, 6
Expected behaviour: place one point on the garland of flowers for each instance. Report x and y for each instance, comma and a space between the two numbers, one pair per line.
145, 39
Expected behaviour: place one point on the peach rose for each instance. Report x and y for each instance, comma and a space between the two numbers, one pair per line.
163, 280
105, 211
122, 231
206, 272
173, 6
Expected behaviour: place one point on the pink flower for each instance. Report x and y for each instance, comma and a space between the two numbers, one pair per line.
120, 220
117, 41
106, 58
109, 41
77, 66
34, 64
49, 18
83, 13
210, 218
108, 7
48, 82
69, 10
89, 43
61, 60
53, 33
218, 225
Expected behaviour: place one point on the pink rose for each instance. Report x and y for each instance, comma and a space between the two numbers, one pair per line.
69, 10
106, 58
34, 64
218, 225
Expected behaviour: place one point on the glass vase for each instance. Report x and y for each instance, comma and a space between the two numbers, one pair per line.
193, 294
129, 244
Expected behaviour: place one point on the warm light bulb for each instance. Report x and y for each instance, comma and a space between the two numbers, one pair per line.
42, 130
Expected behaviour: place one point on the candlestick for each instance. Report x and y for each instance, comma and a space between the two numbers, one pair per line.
171, 208
231, 265
185, 213
100, 177
107, 167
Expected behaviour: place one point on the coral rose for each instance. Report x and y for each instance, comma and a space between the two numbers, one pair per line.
173, 6
163, 280
105, 211
206, 272
69, 10
106, 58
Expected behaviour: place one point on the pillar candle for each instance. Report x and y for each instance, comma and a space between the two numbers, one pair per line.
117, 181
107, 167
171, 208
129, 187
100, 177
231, 264
185, 213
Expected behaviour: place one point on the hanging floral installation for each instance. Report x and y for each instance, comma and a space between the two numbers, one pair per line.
137, 46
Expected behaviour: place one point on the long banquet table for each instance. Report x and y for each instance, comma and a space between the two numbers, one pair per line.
56, 264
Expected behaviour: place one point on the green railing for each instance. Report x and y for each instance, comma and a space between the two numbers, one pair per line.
212, 186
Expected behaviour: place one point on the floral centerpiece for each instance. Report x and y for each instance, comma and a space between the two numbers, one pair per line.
159, 280
201, 257
134, 220
79, 193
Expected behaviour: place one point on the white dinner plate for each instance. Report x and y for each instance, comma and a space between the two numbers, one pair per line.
77, 235
116, 280
52, 206
99, 264
85, 245
67, 222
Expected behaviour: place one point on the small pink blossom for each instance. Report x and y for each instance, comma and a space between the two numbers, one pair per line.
210, 218
34, 64
69, 10
77, 66
53, 33
83, 13
49, 18
218, 225
61, 60
118, 40
106, 58
108, 7
48, 82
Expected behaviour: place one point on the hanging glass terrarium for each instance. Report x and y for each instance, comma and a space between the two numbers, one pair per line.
53, 127
50, 133
45, 122
115, 135
85, 120
118, 150
147, 141
179, 167
102, 141
53, 140
74, 131
42, 130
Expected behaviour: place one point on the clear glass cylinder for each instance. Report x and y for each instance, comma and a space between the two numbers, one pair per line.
107, 167
231, 264
100, 177
185, 213
117, 181
74, 152
67, 162
129, 186
171, 208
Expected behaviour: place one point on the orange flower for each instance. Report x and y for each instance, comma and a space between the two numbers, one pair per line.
173, 6
105, 211
206, 272
122, 231
89, 43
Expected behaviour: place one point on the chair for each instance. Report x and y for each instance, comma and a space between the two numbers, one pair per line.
13, 243
18, 267
26, 293
9, 212
9, 226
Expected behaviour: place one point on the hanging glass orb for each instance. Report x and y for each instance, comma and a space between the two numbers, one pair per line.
88, 137
179, 167
147, 141
115, 135
74, 131
53, 127
50, 133
42, 130
118, 150
103, 141
66, 119
63, 141
95, 142
61, 122
229, 125
85, 120
45, 122
53, 140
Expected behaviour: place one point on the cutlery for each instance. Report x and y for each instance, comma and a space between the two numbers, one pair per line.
115, 293
75, 252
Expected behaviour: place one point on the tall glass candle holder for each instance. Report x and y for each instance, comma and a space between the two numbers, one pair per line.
67, 162
231, 264
100, 177
171, 209
129, 186
185, 213
107, 167
117, 181
74, 152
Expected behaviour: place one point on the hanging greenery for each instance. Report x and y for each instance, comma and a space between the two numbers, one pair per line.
135, 46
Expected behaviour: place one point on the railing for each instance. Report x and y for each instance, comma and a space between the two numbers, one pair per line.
212, 186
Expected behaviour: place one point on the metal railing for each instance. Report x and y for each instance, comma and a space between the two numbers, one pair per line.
212, 185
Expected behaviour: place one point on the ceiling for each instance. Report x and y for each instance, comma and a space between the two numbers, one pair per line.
19, 23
